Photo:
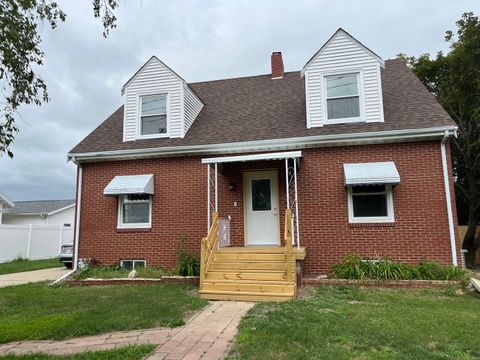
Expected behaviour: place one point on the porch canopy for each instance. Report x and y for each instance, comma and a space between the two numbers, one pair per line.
130, 184
374, 173
290, 180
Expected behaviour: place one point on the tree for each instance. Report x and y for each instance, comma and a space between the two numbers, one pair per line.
454, 79
20, 53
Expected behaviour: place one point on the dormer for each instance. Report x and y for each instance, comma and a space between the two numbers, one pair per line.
158, 103
343, 83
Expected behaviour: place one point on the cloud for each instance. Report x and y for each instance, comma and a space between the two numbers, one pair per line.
200, 40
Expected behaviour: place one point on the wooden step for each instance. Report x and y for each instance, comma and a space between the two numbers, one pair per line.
245, 296
249, 256
253, 249
248, 287
247, 275
232, 266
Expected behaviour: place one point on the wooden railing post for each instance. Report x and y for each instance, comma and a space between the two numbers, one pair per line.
202, 261
208, 248
288, 244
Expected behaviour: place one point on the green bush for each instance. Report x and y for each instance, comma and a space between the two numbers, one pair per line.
354, 267
188, 263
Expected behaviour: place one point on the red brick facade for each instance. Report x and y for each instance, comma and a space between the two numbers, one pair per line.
420, 230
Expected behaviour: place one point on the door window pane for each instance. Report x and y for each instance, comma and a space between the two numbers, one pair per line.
261, 196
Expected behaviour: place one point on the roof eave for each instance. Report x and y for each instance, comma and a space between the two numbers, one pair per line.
271, 144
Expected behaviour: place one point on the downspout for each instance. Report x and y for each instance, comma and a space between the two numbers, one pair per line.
77, 227
448, 199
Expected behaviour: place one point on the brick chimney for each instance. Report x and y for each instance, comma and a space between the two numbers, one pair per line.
277, 65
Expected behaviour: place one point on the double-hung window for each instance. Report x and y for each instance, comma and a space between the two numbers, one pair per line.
153, 115
343, 97
370, 203
135, 211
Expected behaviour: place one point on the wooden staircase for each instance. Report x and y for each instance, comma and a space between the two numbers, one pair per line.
247, 273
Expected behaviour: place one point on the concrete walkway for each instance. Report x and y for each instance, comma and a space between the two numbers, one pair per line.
207, 335
32, 276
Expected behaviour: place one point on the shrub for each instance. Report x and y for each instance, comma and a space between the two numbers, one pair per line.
354, 267
188, 263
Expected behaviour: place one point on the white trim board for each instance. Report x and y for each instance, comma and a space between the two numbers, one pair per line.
377, 137
255, 157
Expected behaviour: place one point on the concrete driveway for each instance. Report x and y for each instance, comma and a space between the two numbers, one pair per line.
32, 276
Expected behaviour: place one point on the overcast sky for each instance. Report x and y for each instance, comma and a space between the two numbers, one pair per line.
200, 40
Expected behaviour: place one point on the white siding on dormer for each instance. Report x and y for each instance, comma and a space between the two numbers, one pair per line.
192, 107
342, 54
153, 78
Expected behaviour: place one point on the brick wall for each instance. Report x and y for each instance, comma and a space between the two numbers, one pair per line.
179, 207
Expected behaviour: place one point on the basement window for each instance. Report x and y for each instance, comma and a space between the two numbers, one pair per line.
370, 204
132, 264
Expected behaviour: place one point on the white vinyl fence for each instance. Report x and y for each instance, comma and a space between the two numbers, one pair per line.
32, 241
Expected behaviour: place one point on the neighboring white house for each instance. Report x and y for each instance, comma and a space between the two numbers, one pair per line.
41, 212
34, 229
5, 203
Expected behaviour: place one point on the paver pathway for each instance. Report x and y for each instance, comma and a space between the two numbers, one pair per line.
32, 276
207, 335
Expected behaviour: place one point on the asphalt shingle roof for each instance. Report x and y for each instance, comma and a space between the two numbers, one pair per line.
259, 108
38, 207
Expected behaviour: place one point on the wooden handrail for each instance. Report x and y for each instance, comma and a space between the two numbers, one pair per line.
208, 248
288, 244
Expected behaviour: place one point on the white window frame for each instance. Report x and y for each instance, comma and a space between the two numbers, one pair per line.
390, 218
361, 101
133, 262
139, 116
122, 225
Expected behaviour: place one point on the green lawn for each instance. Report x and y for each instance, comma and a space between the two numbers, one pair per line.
126, 353
21, 265
38, 311
351, 323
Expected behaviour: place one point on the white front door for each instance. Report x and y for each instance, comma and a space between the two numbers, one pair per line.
262, 226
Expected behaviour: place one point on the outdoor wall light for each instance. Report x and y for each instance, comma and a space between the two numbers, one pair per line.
231, 186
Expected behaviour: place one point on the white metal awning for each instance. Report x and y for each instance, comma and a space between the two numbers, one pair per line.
130, 184
371, 173
254, 157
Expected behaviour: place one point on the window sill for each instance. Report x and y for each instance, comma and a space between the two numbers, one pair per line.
371, 224
153, 136
344, 121
134, 230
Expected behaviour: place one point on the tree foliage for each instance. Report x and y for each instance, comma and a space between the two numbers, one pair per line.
21, 55
454, 79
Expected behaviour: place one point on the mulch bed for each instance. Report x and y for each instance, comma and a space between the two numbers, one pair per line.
314, 281
190, 280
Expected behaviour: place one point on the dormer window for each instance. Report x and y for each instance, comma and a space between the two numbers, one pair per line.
153, 115
343, 97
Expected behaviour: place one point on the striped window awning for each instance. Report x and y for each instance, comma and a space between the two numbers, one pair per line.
371, 173
130, 184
